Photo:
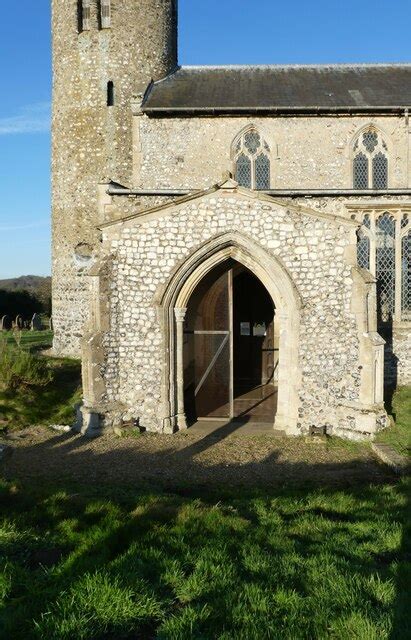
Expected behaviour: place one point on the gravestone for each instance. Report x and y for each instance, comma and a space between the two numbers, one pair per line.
19, 322
36, 324
5, 324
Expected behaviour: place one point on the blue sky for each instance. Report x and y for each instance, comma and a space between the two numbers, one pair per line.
211, 32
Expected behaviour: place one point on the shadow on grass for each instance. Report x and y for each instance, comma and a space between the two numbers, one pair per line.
45, 405
204, 551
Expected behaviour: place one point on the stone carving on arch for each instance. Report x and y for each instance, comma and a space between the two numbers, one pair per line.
377, 147
172, 303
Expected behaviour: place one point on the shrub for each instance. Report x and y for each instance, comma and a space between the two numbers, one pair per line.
19, 368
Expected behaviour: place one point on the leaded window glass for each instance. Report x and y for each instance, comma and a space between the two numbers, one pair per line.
252, 141
262, 172
385, 265
252, 161
380, 171
360, 171
384, 247
363, 250
370, 162
244, 171
370, 140
406, 276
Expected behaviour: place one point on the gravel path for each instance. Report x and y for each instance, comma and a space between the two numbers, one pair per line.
188, 459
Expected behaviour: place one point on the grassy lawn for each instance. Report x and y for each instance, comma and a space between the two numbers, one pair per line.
79, 563
399, 436
99, 561
51, 404
31, 339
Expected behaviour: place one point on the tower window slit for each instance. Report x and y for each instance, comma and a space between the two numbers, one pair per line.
83, 15
105, 14
110, 94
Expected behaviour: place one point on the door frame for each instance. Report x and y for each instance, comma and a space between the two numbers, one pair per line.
172, 307
229, 337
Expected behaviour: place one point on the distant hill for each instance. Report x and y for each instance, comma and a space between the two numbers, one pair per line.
34, 284
25, 295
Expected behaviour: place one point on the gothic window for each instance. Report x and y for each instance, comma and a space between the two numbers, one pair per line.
252, 161
406, 276
84, 15
370, 162
363, 250
361, 171
405, 267
105, 14
379, 171
384, 247
262, 172
385, 265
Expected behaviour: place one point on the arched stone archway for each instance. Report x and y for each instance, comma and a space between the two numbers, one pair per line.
173, 301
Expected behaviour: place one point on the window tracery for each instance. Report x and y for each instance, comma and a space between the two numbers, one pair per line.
384, 247
370, 162
252, 161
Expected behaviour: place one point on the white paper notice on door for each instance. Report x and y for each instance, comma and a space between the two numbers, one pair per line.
259, 329
245, 328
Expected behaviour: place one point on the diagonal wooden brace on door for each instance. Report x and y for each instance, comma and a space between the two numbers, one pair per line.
212, 363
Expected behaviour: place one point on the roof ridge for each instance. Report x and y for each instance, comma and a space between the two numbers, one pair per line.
344, 65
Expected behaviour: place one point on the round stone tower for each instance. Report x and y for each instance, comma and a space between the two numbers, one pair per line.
104, 53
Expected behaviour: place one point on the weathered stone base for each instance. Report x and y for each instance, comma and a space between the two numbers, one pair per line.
89, 422
364, 424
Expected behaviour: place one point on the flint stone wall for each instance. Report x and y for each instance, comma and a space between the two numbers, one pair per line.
146, 251
305, 152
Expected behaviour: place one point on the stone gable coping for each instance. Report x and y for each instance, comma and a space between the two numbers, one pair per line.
232, 187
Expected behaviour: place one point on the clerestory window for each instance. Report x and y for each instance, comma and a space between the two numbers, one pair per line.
252, 161
370, 161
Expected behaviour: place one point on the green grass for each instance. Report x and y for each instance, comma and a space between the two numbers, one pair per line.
98, 562
50, 404
79, 563
31, 339
399, 435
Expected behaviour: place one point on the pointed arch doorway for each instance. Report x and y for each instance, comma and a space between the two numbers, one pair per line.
230, 348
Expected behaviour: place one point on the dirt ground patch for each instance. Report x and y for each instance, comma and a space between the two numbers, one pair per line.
190, 459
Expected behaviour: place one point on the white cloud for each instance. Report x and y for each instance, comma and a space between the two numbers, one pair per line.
33, 118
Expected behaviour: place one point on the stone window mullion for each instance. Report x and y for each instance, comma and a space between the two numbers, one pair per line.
373, 251
370, 171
